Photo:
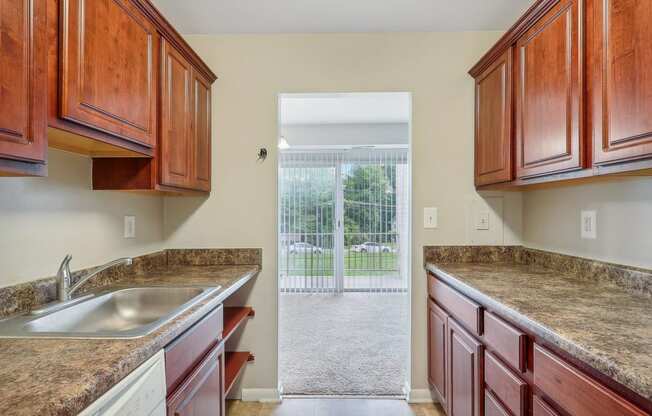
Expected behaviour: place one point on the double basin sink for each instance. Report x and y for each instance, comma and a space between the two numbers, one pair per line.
121, 313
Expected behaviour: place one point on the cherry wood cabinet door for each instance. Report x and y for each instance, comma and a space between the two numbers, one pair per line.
437, 359
176, 135
465, 368
109, 68
493, 122
202, 393
619, 35
23, 80
549, 94
201, 133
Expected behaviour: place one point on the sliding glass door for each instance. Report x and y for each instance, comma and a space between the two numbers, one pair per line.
343, 221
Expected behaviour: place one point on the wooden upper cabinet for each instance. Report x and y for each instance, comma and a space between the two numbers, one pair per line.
549, 94
201, 132
182, 162
619, 39
108, 63
493, 122
23, 81
176, 116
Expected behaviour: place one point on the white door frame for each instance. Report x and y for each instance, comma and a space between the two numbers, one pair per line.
278, 393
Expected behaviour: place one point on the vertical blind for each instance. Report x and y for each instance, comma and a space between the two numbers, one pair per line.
343, 220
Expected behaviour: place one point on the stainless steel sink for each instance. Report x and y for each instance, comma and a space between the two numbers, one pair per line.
123, 313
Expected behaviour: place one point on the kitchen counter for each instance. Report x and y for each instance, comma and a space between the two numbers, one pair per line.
595, 320
63, 376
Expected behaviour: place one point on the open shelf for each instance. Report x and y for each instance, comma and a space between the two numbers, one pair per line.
233, 318
234, 363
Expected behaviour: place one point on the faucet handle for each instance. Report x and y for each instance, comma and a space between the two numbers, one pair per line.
63, 279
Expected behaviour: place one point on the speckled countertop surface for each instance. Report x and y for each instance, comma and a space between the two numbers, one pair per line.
596, 321
63, 376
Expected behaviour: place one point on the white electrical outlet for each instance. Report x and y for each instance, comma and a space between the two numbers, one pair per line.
482, 222
430, 217
589, 224
130, 226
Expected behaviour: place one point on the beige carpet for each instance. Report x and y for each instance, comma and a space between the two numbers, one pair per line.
351, 344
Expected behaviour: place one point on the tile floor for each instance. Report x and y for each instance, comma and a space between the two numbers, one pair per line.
332, 407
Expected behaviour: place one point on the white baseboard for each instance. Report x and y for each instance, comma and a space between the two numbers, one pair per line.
421, 396
261, 395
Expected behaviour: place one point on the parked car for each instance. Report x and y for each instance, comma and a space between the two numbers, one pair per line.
302, 248
371, 247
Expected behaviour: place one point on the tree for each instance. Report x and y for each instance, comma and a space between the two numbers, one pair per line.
369, 203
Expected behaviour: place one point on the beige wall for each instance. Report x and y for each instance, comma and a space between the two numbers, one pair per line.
43, 219
241, 210
624, 220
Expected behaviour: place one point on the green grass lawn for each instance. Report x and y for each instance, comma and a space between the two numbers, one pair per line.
355, 264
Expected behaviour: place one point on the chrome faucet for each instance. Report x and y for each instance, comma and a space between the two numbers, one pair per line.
65, 291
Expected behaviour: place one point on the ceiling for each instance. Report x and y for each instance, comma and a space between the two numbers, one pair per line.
345, 108
313, 16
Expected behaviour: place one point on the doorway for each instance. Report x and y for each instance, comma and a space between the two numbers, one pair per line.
344, 244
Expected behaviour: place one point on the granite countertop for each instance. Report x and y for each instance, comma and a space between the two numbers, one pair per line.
63, 376
595, 320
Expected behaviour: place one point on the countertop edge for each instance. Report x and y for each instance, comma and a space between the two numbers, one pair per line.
578, 352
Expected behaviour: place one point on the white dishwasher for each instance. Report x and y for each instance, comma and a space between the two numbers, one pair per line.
141, 393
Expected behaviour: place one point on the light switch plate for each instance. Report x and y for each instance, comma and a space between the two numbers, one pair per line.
482, 222
130, 226
430, 217
589, 225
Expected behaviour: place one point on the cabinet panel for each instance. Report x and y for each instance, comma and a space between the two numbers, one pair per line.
23, 79
492, 406
437, 357
541, 408
465, 367
201, 133
182, 355
493, 122
575, 392
505, 340
201, 394
175, 159
508, 387
619, 35
549, 94
108, 68
466, 311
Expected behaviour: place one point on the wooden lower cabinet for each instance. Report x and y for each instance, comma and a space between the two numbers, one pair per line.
575, 392
202, 392
194, 369
492, 406
482, 380
541, 408
437, 357
464, 375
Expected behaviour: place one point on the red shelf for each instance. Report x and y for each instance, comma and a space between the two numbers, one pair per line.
234, 363
233, 318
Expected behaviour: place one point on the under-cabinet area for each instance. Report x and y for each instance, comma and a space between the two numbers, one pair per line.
136, 100
562, 95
